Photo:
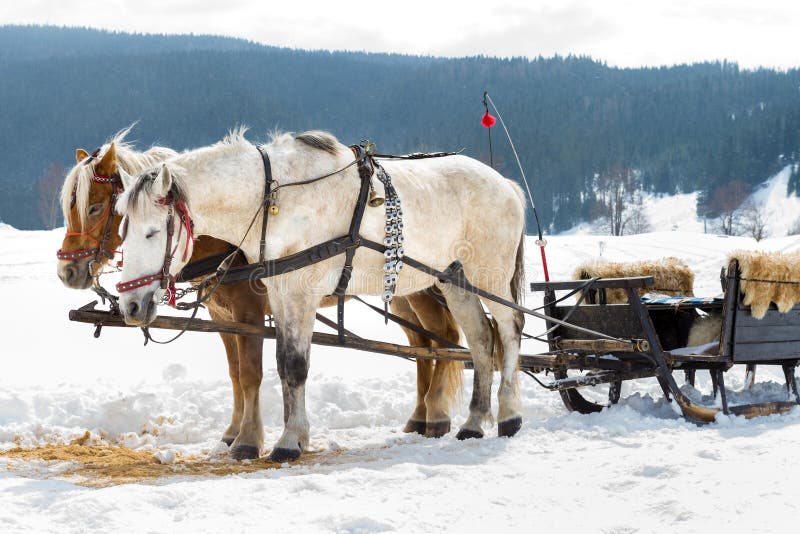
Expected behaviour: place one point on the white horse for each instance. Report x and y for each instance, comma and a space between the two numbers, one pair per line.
455, 209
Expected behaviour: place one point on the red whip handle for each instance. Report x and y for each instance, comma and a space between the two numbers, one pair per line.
544, 264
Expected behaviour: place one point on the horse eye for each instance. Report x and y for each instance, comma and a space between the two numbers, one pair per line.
95, 209
151, 233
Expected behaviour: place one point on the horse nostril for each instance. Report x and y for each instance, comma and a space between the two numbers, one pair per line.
133, 308
70, 273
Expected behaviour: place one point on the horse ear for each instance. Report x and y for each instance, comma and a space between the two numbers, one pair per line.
127, 179
108, 163
164, 180
80, 155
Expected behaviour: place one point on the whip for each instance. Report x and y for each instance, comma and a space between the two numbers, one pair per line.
488, 121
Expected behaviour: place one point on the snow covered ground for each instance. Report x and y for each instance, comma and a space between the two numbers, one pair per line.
637, 467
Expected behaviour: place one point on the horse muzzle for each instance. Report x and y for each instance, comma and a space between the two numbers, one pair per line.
75, 274
139, 311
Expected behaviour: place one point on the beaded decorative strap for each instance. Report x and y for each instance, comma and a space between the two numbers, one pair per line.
393, 241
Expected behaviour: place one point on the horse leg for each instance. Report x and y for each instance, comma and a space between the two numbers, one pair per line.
469, 314
416, 423
447, 376
249, 309
508, 325
294, 326
218, 313
250, 440
232, 351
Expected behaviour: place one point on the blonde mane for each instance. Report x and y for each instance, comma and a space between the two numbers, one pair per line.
79, 178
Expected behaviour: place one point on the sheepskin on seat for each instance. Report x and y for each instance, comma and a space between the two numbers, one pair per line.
764, 277
672, 276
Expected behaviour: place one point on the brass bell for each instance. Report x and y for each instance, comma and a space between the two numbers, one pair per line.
375, 200
273, 209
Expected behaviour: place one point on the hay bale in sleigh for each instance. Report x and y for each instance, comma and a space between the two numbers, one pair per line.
672, 276
768, 277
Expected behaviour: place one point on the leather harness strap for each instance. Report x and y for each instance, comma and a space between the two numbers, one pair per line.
365, 169
203, 266
265, 206
333, 247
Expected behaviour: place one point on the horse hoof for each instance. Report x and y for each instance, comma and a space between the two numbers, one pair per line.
437, 430
228, 441
244, 452
510, 427
284, 455
466, 433
412, 427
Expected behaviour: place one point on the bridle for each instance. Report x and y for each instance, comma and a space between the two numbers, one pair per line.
99, 251
167, 281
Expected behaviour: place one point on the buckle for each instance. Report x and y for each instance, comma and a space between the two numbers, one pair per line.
369, 148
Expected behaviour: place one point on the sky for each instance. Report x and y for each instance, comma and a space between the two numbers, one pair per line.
626, 33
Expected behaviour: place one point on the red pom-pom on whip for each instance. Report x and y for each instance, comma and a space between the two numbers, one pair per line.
488, 121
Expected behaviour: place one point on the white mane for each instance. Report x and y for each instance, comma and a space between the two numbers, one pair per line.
79, 178
137, 197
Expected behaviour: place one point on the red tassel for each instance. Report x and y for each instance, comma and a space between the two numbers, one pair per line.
487, 120
171, 291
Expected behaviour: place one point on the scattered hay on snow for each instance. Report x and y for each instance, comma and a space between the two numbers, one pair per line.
98, 466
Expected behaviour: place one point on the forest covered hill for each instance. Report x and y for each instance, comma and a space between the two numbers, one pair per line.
574, 120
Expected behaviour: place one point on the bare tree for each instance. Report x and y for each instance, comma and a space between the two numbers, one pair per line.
637, 221
753, 220
794, 229
49, 189
726, 202
619, 207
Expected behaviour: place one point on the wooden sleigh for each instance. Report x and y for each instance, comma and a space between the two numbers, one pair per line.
743, 339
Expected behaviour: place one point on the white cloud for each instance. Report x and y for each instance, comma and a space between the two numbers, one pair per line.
621, 32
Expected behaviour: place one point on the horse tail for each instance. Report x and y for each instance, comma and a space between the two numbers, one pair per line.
450, 377
518, 279
452, 371
517, 290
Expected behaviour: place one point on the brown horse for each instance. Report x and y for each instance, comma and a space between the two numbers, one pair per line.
86, 201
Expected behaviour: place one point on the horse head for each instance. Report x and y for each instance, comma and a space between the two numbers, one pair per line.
92, 228
158, 239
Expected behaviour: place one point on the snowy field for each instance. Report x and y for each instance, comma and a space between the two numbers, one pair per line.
637, 467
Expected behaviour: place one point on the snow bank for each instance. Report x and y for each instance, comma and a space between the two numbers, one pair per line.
782, 210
